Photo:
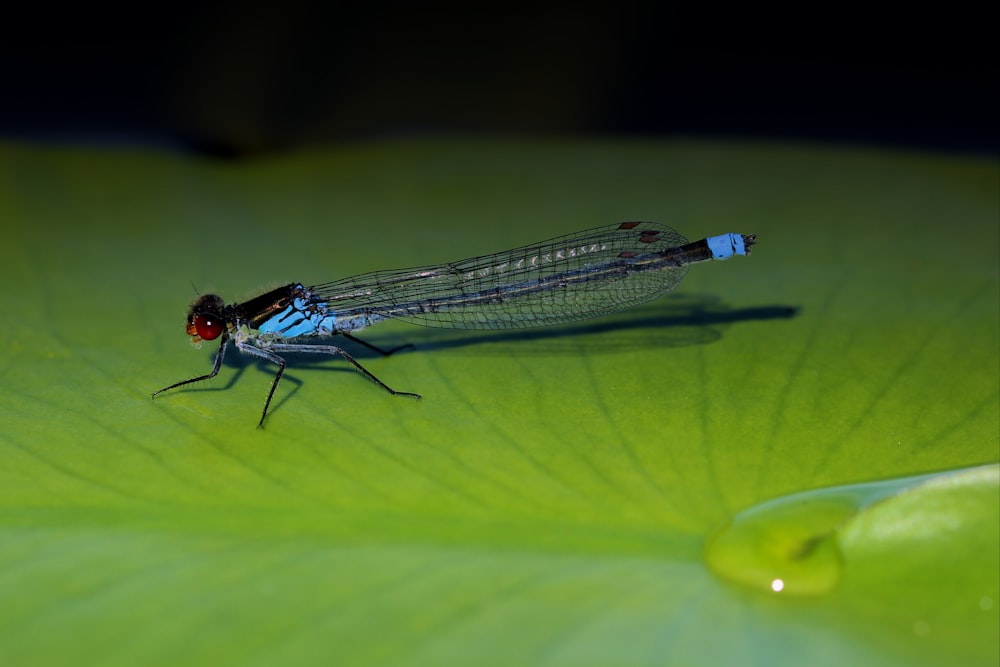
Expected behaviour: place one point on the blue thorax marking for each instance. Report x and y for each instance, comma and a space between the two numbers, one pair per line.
298, 319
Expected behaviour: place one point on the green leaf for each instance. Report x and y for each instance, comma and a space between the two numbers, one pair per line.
555, 496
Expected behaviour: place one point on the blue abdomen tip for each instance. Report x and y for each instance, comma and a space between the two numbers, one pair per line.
727, 245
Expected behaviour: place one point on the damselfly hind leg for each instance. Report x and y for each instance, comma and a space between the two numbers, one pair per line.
376, 348
331, 350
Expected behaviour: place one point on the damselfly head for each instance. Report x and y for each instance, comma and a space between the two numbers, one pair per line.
205, 319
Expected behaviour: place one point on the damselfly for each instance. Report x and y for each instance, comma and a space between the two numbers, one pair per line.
571, 277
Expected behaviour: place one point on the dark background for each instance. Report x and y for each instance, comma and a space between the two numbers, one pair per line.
242, 80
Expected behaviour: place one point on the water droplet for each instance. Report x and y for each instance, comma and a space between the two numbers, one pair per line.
788, 545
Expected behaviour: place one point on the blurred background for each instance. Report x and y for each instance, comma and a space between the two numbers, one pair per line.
236, 79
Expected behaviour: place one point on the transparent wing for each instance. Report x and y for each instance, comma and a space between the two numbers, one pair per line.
567, 278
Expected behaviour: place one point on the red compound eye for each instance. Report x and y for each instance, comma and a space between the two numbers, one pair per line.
207, 327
